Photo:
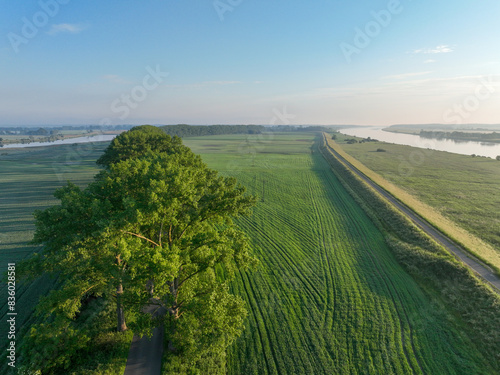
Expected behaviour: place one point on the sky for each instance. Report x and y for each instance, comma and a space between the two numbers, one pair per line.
269, 62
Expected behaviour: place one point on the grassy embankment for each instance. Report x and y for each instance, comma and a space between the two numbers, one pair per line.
457, 194
28, 179
436, 270
329, 296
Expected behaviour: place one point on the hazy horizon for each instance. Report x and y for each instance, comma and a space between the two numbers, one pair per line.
238, 62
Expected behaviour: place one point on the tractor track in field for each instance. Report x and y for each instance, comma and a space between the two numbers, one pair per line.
480, 269
398, 305
328, 274
309, 286
259, 326
392, 290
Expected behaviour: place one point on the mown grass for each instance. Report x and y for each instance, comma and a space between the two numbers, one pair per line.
456, 193
28, 179
329, 296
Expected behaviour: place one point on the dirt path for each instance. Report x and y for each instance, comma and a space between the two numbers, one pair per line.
483, 271
144, 357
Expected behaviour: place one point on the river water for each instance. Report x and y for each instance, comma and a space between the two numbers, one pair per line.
69, 141
491, 150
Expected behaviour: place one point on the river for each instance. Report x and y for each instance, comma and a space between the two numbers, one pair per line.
69, 141
491, 150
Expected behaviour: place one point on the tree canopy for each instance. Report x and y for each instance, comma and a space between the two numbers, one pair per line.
139, 141
154, 228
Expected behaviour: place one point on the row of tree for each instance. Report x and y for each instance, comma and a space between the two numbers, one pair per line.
200, 130
154, 228
462, 136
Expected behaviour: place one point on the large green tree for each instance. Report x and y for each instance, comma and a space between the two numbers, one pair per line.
155, 228
182, 215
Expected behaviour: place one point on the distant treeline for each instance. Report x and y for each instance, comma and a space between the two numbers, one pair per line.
462, 136
200, 130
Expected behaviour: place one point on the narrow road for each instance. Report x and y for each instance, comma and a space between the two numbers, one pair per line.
482, 270
144, 356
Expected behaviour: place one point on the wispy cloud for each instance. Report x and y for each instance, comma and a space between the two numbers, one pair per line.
430, 61
444, 48
204, 84
221, 83
66, 28
113, 78
426, 88
406, 75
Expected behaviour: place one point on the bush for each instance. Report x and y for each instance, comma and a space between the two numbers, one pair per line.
381, 150
53, 346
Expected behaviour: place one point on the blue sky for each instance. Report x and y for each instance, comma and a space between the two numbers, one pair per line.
249, 61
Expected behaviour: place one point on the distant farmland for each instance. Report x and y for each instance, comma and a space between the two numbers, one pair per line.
329, 297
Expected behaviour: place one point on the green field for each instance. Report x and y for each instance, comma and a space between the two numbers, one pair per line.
462, 188
28, 179
329, 296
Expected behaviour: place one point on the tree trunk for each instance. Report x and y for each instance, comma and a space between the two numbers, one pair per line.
119, 309
174, 313
150, 287
170, 346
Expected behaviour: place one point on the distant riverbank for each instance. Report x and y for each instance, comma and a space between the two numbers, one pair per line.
462, 136
488, 149
86, 139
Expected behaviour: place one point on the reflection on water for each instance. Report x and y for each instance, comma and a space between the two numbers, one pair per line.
488, 149
489, 144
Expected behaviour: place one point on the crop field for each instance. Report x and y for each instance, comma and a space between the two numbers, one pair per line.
464, 189
328, 296
28, 179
